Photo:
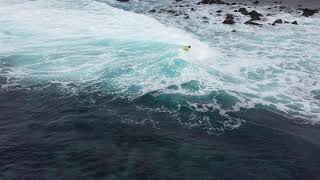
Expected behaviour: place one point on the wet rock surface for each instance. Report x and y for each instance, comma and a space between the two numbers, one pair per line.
251, 22
229, 19
278, 21
255, 17
211, 2
309, 12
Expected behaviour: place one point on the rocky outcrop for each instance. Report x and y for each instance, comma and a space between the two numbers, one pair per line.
309, 12
251, 22
211, 2
255, 15
229, 19
278, 21
243, 11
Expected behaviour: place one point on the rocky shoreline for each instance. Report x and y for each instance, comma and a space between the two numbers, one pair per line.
183, 8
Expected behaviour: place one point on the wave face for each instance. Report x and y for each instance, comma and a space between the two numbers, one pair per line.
89, 46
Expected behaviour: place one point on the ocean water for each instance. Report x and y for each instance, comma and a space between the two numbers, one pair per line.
102, 90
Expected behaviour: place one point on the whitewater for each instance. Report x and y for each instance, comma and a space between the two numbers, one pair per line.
131, 53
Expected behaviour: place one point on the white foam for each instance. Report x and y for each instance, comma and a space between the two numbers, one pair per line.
43, 26
279, 62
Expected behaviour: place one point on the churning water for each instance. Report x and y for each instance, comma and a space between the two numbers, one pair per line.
88, 42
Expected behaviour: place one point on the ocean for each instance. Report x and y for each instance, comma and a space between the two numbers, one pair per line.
103, 90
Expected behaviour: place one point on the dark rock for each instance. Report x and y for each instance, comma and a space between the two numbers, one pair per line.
295, 22
256, 2
207, 22
286, 22
204, 17
218, 14
227, 4
178, 0
192, 9
152, 11
219, 11
234, 30
211, 2
171, 11
229, 19
187, 17
123, 0
233, 3
278, 21
161, 11
309, 12
251, 22
282, 7
243, 11
230, 16
255, 15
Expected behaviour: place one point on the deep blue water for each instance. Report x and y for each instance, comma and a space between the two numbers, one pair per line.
46, 135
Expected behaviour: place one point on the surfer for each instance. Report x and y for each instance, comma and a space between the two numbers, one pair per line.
186, 47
